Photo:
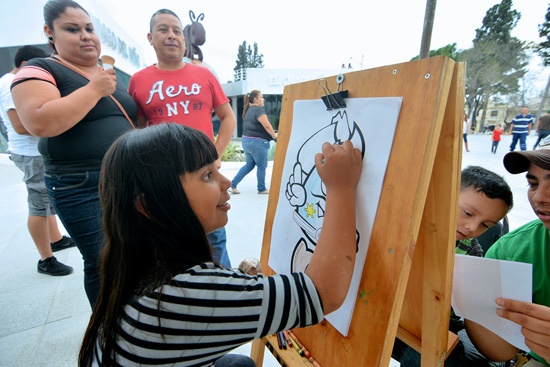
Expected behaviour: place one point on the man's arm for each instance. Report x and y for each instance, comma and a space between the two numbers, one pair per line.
228, 122
511, 128
488, 343
16, 123
535, 322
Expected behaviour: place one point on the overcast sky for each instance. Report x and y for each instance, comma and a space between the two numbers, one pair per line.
323, 34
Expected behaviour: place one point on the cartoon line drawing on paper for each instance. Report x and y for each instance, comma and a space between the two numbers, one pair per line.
306, 192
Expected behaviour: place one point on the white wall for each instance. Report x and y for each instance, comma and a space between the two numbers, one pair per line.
23, 23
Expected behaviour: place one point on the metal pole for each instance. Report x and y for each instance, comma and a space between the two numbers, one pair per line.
428, 26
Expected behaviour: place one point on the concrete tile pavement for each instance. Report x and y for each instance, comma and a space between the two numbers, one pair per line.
43, 318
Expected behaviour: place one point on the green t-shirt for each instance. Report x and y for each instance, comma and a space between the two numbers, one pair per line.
528, 244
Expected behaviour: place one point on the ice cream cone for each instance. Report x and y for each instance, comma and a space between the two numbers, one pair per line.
108, 62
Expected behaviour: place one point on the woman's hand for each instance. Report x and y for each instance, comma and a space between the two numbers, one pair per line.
104, 83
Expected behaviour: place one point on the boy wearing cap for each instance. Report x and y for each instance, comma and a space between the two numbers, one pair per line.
529, 244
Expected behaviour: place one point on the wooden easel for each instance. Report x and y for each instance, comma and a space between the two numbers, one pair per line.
415, 224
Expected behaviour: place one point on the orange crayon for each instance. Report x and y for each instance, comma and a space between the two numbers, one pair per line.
300, 345
314, 362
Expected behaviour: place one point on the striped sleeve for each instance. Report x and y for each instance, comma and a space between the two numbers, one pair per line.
208, 311
31, 72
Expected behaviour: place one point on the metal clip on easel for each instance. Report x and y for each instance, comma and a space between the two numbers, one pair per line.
334, 100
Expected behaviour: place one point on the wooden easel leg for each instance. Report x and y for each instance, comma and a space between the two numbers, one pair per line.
439, 250
257, 352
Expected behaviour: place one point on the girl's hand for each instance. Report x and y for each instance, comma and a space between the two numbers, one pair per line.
339, 166
104, 83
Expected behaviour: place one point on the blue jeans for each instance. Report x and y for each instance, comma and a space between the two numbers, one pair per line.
218, 240
255, 151
76, 200
494, 146
542, 134
522, 137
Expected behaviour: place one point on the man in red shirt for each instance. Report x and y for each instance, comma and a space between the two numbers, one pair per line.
175, 91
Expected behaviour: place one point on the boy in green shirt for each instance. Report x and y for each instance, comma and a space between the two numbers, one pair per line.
530, 244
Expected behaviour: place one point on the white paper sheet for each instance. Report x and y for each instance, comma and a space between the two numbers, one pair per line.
478, 282
370, 124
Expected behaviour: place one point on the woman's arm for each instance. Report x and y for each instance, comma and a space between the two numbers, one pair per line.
332, 263
267, 125
45, 113
228, 122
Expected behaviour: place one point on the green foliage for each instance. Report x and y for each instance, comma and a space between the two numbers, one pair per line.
497, 61
498, 23
248, 57
271, 151
233, 153
448, 50
543, 48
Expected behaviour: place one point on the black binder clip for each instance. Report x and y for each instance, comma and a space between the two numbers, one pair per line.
334, 100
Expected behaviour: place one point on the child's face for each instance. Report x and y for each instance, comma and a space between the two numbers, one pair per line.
206, 190
476, 213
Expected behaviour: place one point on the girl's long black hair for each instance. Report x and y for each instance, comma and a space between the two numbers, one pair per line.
144, 250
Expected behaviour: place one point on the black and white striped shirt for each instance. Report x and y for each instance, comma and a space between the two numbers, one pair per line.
207, 311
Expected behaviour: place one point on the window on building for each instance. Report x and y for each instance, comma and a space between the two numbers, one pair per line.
494, 113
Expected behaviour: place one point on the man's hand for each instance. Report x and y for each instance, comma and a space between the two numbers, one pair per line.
535, 322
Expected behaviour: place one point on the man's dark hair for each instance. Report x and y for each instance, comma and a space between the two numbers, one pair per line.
161, 11
27, 53
487, 182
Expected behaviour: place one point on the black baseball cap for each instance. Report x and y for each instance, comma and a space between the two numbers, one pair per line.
518, 162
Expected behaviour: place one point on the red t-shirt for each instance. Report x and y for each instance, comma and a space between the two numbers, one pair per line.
496, 134
186, 96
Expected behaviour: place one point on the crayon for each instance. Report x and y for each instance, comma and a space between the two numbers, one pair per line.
282, 339
296, 346
314, 362
300, 345
291, 342
279, 340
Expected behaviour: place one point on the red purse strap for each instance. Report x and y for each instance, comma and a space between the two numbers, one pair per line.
84, 76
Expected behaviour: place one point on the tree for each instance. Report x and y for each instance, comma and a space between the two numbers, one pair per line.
248, 57
498, 23
448, 50
543, 49
496, 62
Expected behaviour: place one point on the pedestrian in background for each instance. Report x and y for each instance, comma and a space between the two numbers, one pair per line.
519, 129
466, 131
543, 128
497, 132
23, 148
256, 136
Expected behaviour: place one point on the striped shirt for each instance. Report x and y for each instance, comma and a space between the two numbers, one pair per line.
521, 124
207, 311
